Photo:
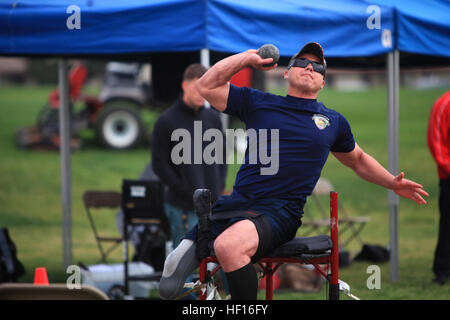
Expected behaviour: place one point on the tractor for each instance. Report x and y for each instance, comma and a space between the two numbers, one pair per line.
115, 114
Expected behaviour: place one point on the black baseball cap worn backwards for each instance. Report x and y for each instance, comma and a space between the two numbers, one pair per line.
312, 48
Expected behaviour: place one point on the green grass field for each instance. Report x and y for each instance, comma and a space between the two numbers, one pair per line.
30, 202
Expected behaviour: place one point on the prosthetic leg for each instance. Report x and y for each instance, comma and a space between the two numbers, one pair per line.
181, 262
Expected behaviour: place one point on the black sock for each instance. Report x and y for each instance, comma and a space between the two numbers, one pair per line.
243, 283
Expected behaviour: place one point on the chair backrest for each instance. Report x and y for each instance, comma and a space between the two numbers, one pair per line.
323, 188
317, 205
142, 199
57, 291
100, 199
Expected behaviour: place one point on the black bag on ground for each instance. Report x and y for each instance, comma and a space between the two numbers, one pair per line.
11, 269
373, 253
344, 258
152, 247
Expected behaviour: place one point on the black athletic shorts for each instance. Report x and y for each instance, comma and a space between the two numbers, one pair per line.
273, 220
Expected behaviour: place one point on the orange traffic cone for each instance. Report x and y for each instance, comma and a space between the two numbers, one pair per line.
40, 277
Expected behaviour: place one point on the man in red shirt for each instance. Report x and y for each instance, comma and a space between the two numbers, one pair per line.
438, 138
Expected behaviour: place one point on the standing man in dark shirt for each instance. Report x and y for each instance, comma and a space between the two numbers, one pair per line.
181, 179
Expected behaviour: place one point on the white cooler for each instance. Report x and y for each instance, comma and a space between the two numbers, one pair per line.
110, 277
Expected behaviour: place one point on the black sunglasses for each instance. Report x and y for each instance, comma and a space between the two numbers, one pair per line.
303, 63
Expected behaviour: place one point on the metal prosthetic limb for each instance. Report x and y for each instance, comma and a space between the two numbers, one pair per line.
179, 264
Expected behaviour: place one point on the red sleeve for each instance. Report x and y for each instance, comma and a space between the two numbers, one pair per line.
438, 135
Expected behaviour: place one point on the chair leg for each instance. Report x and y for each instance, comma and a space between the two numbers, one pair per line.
94, 229
334, 281
269, 281
202, 274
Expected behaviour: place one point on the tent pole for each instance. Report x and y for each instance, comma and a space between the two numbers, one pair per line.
204, 58
393, 121
204, 61
64, 133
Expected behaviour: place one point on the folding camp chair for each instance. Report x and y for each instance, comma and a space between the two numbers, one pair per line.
100, 200
322, 249
351, 227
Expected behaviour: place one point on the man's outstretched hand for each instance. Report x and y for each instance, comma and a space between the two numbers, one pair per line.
409, 189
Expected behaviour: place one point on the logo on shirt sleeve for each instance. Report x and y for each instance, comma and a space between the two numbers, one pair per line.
321, 121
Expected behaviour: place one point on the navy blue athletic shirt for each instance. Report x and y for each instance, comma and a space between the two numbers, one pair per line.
308, 131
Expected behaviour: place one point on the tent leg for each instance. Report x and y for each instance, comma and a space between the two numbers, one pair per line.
204, 58
204, 61
64, 134
393, 77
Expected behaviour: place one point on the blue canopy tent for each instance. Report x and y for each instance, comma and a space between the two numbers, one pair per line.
349, 28
63, 28
422, 27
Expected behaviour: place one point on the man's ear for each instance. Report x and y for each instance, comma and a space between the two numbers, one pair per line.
323, 83
285, 76
183, 85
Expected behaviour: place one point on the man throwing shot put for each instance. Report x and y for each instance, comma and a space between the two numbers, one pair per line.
307, 131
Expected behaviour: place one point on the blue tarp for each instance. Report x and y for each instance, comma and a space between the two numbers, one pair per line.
105, 27
41, 27
136, 26
422, 26
339, 26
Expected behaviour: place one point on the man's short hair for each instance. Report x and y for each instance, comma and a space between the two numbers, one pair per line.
193, 71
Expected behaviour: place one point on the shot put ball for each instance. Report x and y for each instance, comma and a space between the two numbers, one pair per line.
269, 51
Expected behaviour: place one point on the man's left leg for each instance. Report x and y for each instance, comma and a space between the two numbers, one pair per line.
234, 248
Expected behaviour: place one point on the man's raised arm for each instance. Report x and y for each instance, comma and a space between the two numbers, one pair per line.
214, 84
